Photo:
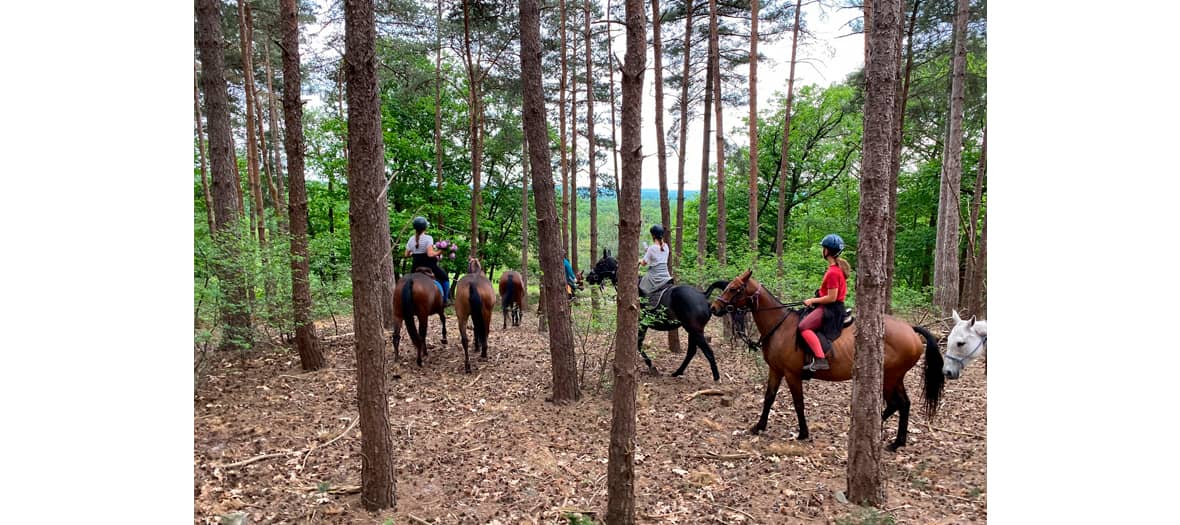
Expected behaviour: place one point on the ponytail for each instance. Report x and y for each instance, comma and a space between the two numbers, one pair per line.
662, 244
418, 239
844, 266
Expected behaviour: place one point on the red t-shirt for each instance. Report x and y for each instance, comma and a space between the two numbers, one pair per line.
834, 278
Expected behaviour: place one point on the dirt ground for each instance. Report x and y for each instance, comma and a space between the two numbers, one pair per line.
487, 448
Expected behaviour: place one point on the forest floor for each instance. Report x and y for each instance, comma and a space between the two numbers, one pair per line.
486, 447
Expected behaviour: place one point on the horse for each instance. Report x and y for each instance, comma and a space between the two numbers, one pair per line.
675, 307
968, 340
606, 269
474, 298
418, 295
512, 296
780, 349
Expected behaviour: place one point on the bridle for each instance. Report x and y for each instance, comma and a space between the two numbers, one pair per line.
962, 361
732, 307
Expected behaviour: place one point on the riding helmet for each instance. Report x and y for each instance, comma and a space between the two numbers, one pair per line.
833, 242
420, 223
657, 231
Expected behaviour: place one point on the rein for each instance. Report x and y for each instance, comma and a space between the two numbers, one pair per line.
962, 361
754, 300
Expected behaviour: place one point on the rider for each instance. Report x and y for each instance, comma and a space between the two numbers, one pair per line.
656, 259
829, 300
421, 248
571, 280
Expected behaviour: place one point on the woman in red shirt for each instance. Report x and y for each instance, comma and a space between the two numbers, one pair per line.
829, 300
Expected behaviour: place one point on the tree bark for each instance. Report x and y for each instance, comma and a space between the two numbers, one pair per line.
235, 311
438, 95
689, 10
719, 133
565, 184
754, 129
974, 284
367, 213
865, 483
895, 160
310, 355
621, 460
524, 224
703, 199
614, 139
590, 140
572, 251
475, 118
661, 148
276, 160
780, 234
246, 34
946, 254
561, 337
201, 152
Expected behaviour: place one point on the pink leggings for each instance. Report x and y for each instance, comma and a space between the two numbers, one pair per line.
808, 326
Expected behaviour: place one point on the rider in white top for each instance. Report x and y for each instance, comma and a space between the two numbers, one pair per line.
656, 259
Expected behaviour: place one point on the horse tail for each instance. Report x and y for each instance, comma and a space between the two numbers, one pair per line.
719, 285
510, 295
408, 311
477, 318
933, 380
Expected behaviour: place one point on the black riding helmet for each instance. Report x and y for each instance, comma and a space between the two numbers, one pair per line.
833, 243
657, 231
420, 224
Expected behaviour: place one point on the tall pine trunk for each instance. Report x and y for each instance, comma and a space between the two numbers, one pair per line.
556, 307
972, 295
475, 121
753, 130
276, 163
572, 251
590, 139
235, 310
201, 153
310, 355
524, 223
865, 483
438, 95
703, 199
780, 231
565, 168
614, 139
895, 160
946, 252
719, 134
246, 34
621, 459
689, 10
367, 212
661, 148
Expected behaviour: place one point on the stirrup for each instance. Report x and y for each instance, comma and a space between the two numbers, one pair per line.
812, 366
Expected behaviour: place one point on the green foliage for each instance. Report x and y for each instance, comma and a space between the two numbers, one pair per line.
867, 516
577, 518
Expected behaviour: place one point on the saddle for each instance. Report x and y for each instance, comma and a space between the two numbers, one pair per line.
653, 299
825, 337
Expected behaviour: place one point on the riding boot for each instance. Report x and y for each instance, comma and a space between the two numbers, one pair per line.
817, 364
446, 286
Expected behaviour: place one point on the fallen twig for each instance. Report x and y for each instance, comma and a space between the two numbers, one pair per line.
706, 392
416, 519
346, 489
961, 498
314, 447
731, 509
473, 381
288, 453
331, 338
722, 457
932, 427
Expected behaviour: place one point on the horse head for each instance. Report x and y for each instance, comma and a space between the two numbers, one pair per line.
738, 295
473, 266
966, 342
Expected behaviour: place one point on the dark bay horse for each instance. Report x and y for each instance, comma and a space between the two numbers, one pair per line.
904, 346
676, 307
416, 295
512, 296
606, 269
474, 298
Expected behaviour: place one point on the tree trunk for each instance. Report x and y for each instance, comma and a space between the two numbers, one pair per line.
201, 152
276, 163
621, 461
946, 254
565, 183
561, 337
974, 284
865, 483
590, 140
367, 213
235, 310
719, 133
780, 233
524, 224
661, 148
246, 32
438, 95
895, 157
310, 355
614, 140
703, 199
475, 121
572, 251
754, 129
689, 10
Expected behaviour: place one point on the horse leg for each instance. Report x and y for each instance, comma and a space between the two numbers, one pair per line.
902, 400
693, 343
701, 342
505, 312
795, 384
463, 339
773, 379
422, 319
646, 359
442, 319
396, 337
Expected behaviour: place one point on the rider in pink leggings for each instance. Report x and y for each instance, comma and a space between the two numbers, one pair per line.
831, 296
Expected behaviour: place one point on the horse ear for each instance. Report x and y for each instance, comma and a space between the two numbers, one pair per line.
955, 316
971, 323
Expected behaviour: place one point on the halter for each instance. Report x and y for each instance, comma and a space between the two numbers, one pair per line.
962, 361
730, 308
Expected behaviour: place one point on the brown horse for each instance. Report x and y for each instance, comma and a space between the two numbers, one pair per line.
512, 296
777, 324
474, 298
420, 297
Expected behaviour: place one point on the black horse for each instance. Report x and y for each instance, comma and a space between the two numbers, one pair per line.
680, 306
606, 269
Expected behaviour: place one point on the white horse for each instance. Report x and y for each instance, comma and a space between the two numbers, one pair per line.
968, 340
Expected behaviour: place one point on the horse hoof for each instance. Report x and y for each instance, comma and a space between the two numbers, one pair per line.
803, 437
677, 373
754, 430
892, 447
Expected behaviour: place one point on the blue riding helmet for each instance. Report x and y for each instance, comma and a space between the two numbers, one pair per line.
833, 242
657, 231
420, 223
